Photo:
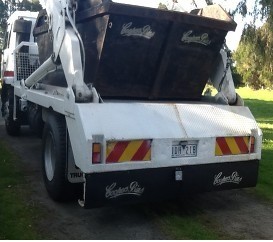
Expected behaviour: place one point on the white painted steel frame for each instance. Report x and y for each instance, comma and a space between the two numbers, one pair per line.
164, 124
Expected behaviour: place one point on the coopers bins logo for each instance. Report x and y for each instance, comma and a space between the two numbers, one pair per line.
144, 32
113, 191
189, 37
233, 178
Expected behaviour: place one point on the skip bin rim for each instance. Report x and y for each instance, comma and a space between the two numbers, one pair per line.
109, 7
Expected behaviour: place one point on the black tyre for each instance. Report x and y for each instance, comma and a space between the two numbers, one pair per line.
35, 119
13, 127
54, 165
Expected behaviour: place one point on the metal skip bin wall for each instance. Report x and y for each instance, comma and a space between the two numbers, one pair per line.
144, 53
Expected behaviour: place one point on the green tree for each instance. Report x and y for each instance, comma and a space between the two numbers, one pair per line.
237, 77
254, 56
3, 20
33, 5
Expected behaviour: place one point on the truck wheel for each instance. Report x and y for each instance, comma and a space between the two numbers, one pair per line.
13, 127
54, 166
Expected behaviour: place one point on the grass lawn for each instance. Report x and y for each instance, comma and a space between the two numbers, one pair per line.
261, 104
17, 214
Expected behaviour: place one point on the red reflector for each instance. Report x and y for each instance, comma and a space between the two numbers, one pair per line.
96, 153
126, 151
238, 145
8, 73
252, 144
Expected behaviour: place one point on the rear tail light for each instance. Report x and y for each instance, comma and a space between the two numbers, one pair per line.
96, 153
8, 73
252, 144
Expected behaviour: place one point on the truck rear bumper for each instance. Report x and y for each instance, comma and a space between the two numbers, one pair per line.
166, 183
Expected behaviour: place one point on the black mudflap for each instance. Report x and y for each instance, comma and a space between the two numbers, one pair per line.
165, 183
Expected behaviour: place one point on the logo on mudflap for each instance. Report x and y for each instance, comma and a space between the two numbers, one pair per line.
145, 32
202, 39
114, 191
233, 178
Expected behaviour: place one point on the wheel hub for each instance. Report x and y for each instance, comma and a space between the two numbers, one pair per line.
50, 158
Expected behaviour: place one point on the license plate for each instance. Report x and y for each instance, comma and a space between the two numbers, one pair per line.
184, 150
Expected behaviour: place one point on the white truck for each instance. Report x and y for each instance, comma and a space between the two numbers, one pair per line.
115, 91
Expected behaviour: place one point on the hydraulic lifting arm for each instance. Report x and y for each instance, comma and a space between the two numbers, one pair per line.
68, 50
222, 78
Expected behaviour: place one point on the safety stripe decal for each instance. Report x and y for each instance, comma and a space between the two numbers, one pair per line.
233, 145
124, 151
144, 149
223, 146
242, 144
115, 150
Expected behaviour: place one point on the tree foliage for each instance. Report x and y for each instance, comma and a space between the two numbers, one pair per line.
254, 56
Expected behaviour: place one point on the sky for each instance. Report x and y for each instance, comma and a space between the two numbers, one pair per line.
233, 38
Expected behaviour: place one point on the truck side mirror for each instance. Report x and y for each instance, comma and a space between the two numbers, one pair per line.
22, 26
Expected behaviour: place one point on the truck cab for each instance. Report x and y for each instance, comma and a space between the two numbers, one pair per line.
19, 29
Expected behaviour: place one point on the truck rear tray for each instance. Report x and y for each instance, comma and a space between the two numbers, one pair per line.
143, 53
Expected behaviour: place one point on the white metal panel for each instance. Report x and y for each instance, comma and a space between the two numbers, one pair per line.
134, 120
216, 120
144, 120
163, 123
54, 100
